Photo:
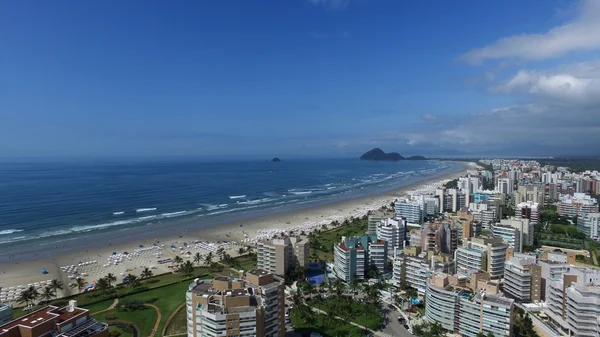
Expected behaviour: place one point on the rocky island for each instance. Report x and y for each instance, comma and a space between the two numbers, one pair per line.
379, 154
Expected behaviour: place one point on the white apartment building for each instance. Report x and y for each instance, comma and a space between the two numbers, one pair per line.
484, 254
277, 256
563, 307
528, 210
464, 313
523, 278
353, 256
504, 186
588, 223
571, 206
510, 235
524, 226
410, 210
416, 271
252, 305
583, 310
429, 204
373, 220
392, 231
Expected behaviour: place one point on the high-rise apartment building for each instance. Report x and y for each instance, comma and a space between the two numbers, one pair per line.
528, 210
510, 235
410, 210
523, 278
250, 305
461, 311
69, 321
373, 220
571, 206
277, 256
481, 254
588, 223
393, 232
413, 268
355, 255
504, 186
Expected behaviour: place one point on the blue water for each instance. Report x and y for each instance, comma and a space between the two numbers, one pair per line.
51, 202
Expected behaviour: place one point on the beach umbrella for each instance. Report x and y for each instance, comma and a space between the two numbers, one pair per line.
44, 271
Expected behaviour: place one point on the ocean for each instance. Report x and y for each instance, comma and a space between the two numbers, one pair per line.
49, 203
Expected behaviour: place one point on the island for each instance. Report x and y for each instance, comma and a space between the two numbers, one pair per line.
379, 154
276, 160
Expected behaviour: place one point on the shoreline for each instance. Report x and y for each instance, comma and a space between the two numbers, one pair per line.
142, 251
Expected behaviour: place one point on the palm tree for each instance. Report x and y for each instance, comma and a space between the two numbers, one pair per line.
187, 267
250, 249
208, 258
47, 294
198, 258
79, 284
355, 285
102, 284
339, 287
110, 279
133, 280
23, 298
56, 285
220, 252
241, 251
178, 261
146, 273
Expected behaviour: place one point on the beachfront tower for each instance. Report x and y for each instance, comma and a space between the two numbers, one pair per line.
355, 256
277, 256
250, 305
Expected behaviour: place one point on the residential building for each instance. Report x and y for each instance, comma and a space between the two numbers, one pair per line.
277, 256
510, 235
571, 206
588, 223
533, 193
429, 205
583, 310
504, 186
355, 255
481, 254
567, 307
69, 321
436, 237
410, 210
250, 305
528, 210
470, 229
393, 232
524, 226
414, 266
461, 311
5, 313
523, 278
374, 220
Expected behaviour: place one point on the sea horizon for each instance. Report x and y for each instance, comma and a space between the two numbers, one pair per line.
55, 204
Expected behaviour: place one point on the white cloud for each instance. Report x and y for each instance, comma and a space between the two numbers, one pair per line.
337, 5
429, 117
580, 34
577, 84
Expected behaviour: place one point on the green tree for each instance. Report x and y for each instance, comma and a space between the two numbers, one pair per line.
103, 284
110, 279
47, 294
187, 267
146, 273
56, 285
79, 284
178, 261
133, 281
198, 258
208, 259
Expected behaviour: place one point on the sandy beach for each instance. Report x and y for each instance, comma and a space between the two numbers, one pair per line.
95, 263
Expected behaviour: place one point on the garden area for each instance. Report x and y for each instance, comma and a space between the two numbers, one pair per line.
321, 243
326, 325
561, 235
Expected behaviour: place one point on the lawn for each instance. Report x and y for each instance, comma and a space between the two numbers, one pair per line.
326, 328
323, 242
124, 331
357, 312
144, 319
243, 262
178, 324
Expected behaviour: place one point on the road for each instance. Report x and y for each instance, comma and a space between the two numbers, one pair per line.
393, 328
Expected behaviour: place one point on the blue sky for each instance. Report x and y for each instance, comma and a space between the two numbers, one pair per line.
299, 77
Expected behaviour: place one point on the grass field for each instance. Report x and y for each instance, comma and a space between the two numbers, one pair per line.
358, 312
125, 331
144, 319
323, 243
324, 326
179, 323
243, 262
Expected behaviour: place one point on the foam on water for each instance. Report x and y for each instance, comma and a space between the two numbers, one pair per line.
237, 196
10, 231
140, 210
118, 213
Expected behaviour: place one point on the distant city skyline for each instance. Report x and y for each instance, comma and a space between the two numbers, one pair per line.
299, 78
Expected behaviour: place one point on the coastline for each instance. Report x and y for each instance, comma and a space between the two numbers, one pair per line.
26, 271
